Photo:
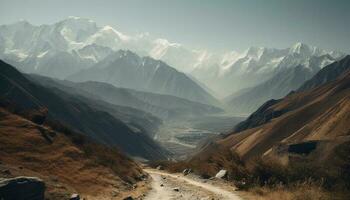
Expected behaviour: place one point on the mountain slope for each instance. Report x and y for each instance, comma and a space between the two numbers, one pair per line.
278, 86
133, 117
229, 74
328, 73
305, 132
163, 106
98, 125
127, 70
320, 114
62, 160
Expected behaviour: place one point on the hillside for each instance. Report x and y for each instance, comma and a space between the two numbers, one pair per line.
328, 73
296, 147
318, 115
303, 125
65, 161
162, 106
78, 115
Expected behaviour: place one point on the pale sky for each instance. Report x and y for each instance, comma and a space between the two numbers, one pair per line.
217, 25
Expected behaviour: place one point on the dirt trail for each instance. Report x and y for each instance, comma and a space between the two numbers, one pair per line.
164, 186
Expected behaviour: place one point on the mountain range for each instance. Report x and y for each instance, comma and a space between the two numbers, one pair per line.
127, 70
75, 47
80, 43
317, 115
164, 107
97, 120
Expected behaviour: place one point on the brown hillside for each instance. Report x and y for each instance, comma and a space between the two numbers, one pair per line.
32, 150
320, 114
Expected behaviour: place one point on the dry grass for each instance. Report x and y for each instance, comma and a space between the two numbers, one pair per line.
65, 161
300, 192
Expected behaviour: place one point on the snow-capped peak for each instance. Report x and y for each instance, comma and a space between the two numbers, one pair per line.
255, 52
166, 43
303, 49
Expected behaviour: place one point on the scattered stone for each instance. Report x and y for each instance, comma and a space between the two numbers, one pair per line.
115, 193
211, 178
176, 189
143, 177
161, 185
74, 197
221, 174
160, 167
22, 188
186, 171
6, 172
128, 198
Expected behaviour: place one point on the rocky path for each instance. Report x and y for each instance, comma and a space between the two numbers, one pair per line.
166, 186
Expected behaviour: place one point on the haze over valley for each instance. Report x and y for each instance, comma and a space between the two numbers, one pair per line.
90, 111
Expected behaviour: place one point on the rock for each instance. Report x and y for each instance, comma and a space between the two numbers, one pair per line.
160, 167
161, 185
6, 172
186, 171
221, 174
176, 189
128, 198
143, 177
74, 197
22, 188
115, 193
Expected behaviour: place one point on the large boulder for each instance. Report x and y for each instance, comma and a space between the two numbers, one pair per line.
221, 174
24, 188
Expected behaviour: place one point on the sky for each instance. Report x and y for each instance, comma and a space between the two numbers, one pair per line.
217, 25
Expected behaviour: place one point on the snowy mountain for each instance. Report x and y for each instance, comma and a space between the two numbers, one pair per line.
248, 100
68, 46
257, 65
127, 70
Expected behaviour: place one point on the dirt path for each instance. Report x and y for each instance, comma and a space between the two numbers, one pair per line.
164, 186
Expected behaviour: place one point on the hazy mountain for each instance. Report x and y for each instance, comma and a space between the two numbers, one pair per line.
163, 106
135, 118
265, 113
327, 74
258, 64
318, 117
80, 115
127, 70
279, 85
68, 46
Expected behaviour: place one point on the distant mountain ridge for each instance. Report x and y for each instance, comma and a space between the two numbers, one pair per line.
328, 73
279, 85
163, 106
63, 48
127, 70
284, 129
80, 115
259, 64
